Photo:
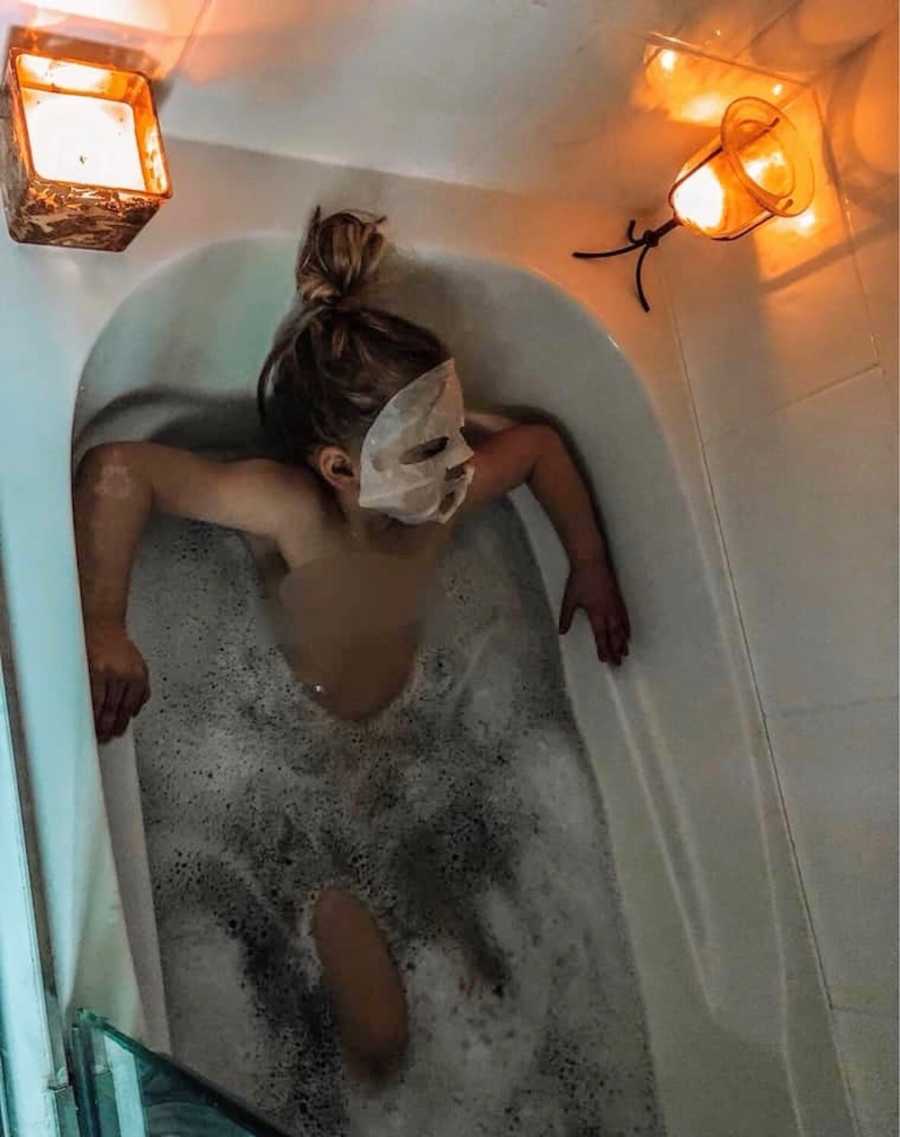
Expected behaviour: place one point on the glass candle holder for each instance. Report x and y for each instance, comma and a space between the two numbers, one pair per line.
83, 158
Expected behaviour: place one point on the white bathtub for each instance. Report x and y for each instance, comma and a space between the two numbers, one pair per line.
736, 1012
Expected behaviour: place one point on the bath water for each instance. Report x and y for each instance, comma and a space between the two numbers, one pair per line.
465, 815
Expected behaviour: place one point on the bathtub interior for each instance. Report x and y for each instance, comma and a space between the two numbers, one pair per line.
465, 816
681, 780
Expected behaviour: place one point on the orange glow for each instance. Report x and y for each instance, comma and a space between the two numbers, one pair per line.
85, 164
46, 20
90, 125
84, 140
756, 168
705, 108
164, 17
144, 35
700, 200
770, 171
806, 222
688, 86
40, 71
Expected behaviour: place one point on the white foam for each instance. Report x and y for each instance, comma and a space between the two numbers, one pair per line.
465, 816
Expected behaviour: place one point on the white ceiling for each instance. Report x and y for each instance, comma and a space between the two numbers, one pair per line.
491, 91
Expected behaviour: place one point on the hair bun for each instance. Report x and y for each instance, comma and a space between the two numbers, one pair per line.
339, 256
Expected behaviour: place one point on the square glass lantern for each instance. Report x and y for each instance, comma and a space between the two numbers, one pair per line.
82, 155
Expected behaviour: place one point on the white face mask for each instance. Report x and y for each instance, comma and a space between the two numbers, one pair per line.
427, 410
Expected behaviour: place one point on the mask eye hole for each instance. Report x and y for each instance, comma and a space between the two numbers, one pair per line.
424, 451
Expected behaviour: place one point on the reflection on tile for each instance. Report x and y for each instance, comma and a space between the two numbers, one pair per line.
675, 99
838, 770
807, 500
749, 352
789, 248
151, 35
775, 316
689, 87
868, 1045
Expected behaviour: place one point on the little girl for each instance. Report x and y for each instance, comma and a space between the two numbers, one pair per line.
371, 469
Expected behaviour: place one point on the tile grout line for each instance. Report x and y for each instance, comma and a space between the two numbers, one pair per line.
767, 27
736, 431
878, 1016
834, 172
823, 708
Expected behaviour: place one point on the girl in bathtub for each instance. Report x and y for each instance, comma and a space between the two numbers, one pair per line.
373, 464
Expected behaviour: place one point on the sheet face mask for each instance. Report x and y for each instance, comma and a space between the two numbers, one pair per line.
417, 492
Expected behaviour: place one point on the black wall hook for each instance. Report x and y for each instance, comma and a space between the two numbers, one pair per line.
648, 240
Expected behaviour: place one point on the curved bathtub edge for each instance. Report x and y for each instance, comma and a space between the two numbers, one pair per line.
122, 795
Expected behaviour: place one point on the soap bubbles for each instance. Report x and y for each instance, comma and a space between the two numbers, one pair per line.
464, 816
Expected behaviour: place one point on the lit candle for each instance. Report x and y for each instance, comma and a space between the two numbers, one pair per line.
755, 169
83, 139
712, 200
700, 200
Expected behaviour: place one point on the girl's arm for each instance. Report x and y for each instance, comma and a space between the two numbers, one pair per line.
536, 455
116, 489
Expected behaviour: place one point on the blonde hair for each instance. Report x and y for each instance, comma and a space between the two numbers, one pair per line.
335, 361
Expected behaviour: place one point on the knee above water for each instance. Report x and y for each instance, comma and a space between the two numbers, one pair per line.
364, 984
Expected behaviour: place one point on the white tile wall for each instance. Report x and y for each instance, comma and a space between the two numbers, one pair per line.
769, 319
816, 34
790, 346
807, 502
868, 1045
859, 104
727, 27
838, 771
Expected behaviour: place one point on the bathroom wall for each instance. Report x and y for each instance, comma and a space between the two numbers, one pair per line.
532, 96
789, 340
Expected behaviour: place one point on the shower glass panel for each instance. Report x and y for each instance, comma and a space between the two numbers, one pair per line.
125, 1090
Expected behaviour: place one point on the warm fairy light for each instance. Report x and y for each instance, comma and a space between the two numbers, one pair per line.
80, 139
700, 200
778, 89
668, 59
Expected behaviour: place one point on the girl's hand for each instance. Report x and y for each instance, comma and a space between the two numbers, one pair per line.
119, 680
592, 586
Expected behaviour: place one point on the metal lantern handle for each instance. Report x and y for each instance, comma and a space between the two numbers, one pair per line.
648, 240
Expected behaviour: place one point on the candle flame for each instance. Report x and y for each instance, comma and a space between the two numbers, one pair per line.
700, 200
85, 140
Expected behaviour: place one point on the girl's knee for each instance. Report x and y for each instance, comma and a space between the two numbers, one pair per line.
364, 984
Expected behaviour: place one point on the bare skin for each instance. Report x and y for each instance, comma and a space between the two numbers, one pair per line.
347, 587
365, 986
349, 582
